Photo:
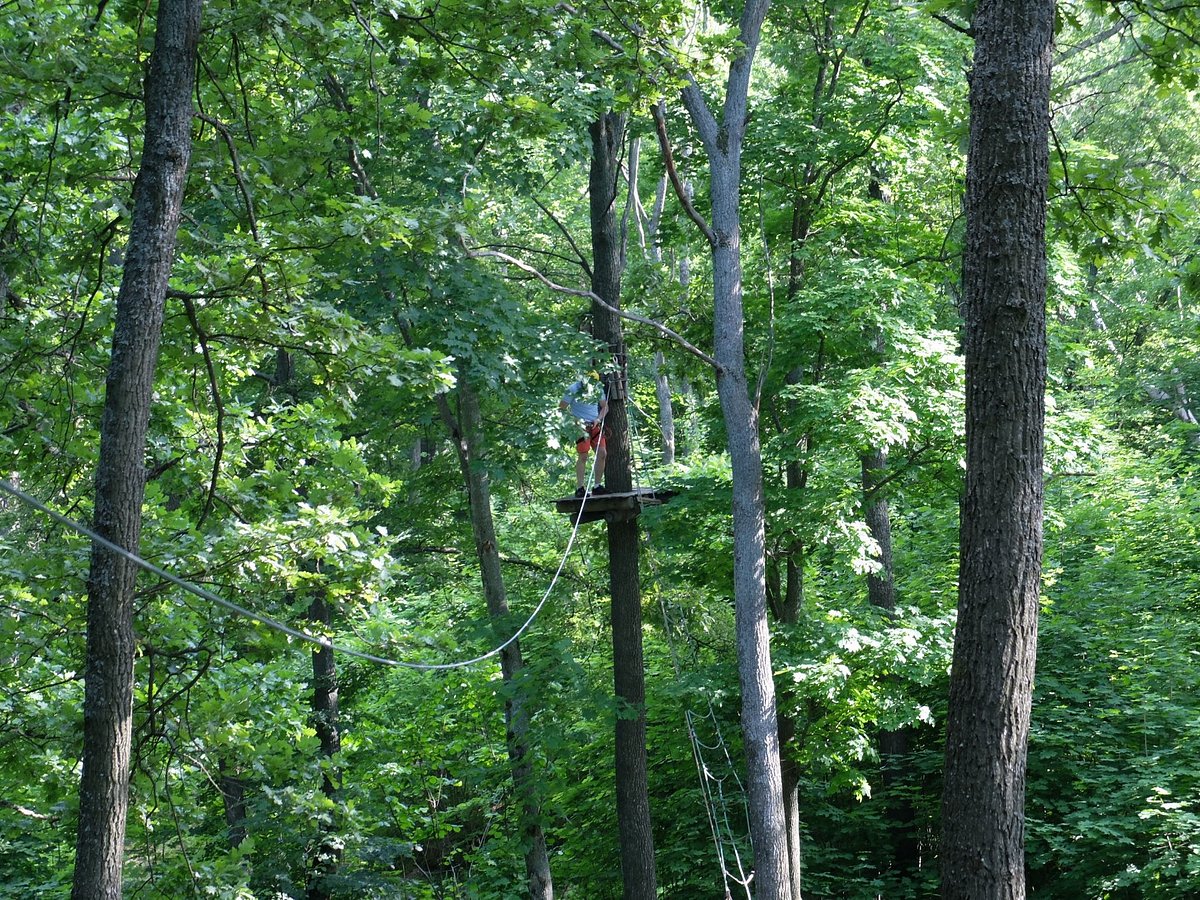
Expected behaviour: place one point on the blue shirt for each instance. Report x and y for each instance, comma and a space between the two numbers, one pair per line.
584, 398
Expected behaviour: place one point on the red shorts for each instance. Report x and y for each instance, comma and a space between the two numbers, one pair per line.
593, 439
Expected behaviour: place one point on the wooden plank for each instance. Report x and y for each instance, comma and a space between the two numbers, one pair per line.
612, 506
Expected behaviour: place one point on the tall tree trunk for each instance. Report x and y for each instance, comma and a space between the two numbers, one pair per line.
633, 802
1004, 278
467, 431
789, 615
881, 585
881, 592
120, 473
328, 854
722, 141
666, 410
787, 610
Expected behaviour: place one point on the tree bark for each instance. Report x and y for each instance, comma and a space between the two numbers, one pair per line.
666, 410
120, 473
881, 585
233, 798
467, 431
789, 614
328, 854
760, 734
325, 695
1004, 279
881, 593
633, 801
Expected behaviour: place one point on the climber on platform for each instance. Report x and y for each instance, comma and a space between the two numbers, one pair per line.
587, 399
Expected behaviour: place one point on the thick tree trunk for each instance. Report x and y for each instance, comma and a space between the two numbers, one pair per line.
759, 724
472, 453
328, 854
633, 802
120, 473
1004, 278
233, 799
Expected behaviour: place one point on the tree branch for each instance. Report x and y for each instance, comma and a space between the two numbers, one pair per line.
702, 117
579, 257
660, 125
590, 295
950, 23
218, 406
235, 160
1092, 76
366, 26
1101, 37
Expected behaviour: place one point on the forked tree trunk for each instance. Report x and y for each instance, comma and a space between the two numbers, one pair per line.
787, 609
633, 803
722, 141
1004, 279
789, 614
120, 473
786, 602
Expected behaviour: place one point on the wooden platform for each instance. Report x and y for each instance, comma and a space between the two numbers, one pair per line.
614, 507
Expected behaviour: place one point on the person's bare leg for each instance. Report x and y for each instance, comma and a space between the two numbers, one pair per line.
580, 468
601, 459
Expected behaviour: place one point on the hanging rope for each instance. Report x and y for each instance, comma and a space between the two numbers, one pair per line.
641, 465
268, 621
635, 445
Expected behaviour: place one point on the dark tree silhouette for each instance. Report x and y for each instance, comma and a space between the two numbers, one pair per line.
121, 473
1004, 279
629, 679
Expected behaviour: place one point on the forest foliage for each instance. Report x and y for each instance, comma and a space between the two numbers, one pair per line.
353, 166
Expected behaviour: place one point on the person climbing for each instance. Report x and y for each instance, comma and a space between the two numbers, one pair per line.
588, 402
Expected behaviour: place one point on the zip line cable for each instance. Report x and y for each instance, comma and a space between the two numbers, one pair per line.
277, 625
